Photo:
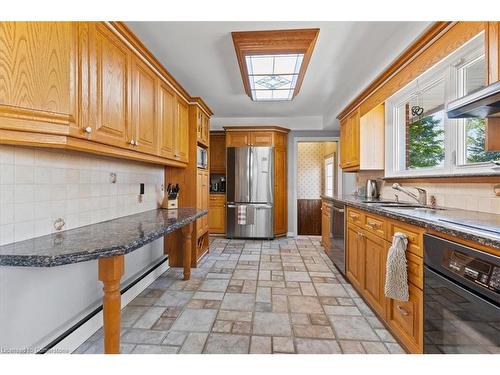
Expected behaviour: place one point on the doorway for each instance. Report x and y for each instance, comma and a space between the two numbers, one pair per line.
316, 176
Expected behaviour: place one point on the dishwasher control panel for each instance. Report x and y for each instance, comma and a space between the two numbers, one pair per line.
477, 270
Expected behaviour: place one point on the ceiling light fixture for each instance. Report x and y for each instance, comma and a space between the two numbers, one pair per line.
273, 63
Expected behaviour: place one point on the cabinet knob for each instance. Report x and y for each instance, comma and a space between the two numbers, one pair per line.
402, 310
132, 142
136, 143
87, 130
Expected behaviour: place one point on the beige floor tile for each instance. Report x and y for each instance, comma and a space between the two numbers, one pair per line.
283, 345
351, 347
218, 343
238, 302
320, 332
305, 305
314, 346
271, 324
260, 345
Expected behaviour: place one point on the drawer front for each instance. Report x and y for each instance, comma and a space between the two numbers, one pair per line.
415, 270
406, 319
414, 234
375, 224
355, 216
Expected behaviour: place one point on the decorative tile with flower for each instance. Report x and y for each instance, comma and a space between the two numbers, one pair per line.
420, 139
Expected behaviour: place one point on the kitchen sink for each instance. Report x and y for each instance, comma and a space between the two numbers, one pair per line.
413, 207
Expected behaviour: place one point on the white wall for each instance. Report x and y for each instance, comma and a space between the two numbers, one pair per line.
309, 170
39, 185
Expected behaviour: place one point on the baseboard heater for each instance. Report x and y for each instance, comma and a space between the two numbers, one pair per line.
96, 311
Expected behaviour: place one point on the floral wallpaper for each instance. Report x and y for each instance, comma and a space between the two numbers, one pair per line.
309, 170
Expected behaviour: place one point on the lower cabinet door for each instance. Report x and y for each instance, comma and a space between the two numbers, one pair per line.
217, 218
355, 257
375, 255
406, 319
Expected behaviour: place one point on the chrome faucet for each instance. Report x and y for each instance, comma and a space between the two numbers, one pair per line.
422, 193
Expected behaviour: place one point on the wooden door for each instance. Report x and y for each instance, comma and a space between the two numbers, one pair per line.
354, 135
110, 77
355, 257
39, 76
181, 131
280, 192
218, 153
237, 139
375, 251
144, 102
406, 319
217, 214
262, 138
166, 120
309, 217
202, 200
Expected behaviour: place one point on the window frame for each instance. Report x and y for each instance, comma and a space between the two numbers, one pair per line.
326, 162
448, 69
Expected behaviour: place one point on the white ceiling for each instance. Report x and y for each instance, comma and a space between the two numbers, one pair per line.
347, 57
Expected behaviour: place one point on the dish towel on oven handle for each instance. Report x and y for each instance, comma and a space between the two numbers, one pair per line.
242, 215
396, 273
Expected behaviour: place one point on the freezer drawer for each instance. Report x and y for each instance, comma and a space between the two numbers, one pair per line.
256, 222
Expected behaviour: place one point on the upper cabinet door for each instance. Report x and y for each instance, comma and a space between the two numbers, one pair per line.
181, 132
237, 139
145, 125
39, 76
110, 77
166, 119
262, 139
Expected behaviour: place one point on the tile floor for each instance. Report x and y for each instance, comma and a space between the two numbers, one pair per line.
281, 296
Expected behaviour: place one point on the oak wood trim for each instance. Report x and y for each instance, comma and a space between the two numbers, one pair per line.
21, 138
493, 134
246, 128
124, 31
415, 49
492, 54
274, 42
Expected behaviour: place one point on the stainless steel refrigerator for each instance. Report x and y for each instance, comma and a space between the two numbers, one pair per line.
249, 192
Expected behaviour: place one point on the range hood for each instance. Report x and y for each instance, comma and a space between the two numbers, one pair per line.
483, 103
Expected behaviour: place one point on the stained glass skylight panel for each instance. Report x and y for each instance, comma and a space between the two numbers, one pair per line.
273, 77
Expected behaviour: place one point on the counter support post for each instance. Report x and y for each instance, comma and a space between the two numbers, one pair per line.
110, 272
186, 240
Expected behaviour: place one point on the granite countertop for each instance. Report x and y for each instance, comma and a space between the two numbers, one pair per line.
105, 239
487, 231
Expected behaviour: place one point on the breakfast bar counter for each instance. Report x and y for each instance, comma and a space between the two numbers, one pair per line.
107, 242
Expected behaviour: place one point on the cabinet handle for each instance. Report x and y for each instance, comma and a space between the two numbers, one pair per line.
136, 143
132, 142
402, 310
87, 130
373, 225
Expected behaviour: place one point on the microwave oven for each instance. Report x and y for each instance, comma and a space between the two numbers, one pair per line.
202, 158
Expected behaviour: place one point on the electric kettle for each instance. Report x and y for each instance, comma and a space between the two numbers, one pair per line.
371, 189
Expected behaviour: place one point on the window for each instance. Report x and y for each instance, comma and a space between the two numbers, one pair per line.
422, 140
273, 63
329, 176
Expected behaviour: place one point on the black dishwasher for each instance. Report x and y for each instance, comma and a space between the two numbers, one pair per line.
461, 298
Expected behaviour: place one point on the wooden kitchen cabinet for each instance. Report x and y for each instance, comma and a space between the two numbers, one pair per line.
111, 79
375, 255
217, 214
202, 200
145, 124
166, 120
237, 139
181, 131
355, 256
349, 142
368, 239
406, 319
217, 152
202, 128
262, 138
92, 87
362, 140
39, 70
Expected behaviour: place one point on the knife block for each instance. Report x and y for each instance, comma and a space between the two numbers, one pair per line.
170, 204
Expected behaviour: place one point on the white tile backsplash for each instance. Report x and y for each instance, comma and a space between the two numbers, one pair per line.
39, 185
467, 196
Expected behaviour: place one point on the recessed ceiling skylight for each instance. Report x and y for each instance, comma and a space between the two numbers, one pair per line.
273, 77
273, 63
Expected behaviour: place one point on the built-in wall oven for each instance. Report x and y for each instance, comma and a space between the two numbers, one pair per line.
461, 298
336, 252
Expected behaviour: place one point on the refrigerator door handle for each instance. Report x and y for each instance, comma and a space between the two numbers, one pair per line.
249, 173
